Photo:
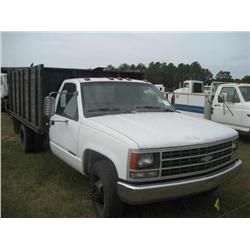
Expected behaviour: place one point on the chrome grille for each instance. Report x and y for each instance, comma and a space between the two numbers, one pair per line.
194, 161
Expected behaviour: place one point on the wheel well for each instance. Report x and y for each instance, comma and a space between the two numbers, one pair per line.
91, 156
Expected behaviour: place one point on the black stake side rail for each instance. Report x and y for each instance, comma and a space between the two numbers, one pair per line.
29, 86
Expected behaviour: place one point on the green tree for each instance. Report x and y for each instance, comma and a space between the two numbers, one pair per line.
206, 75
110, 67
246, 79
132, 67
224, 76
195, 71
141, 67
124, 67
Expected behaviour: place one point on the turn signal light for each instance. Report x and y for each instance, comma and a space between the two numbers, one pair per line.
133, 161
149, 174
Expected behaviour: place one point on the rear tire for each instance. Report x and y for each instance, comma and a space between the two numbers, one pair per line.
27, 139
16, 126
103, 181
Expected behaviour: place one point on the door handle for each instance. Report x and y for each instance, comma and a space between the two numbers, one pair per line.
52, 122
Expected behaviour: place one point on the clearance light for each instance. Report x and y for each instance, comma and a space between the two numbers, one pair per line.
119, 78
87, 79
128, 79
111, 78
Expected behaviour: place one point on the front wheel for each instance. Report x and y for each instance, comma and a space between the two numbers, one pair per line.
103, 180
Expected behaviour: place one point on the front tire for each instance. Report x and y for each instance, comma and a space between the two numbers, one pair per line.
103, 181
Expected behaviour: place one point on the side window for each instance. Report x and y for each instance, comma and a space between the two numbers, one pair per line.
231, 93
236, 98
67, 104
197, 87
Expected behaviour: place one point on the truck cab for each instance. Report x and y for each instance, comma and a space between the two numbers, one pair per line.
231, 106
190, 86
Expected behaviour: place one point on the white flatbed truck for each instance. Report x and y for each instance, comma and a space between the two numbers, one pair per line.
121, 132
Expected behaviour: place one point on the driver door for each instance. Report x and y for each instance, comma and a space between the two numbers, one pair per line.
64, 125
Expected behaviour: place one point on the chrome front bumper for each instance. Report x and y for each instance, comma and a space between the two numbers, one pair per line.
149, 193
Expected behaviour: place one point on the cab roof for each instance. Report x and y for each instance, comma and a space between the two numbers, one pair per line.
110, 79
233, 84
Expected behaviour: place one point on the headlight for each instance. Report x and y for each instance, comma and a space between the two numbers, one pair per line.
140, 161
145, 160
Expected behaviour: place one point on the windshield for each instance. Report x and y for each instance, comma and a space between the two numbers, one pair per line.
245, 91
100, 98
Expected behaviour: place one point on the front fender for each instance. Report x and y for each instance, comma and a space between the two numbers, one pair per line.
103, 142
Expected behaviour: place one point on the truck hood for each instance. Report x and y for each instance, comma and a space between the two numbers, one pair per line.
165, 129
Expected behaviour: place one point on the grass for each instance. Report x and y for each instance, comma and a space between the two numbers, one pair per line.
41, 185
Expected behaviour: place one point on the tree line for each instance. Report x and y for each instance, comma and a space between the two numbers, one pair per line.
170, 75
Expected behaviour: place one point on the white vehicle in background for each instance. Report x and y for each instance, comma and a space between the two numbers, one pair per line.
190, 87
227, 103
207, 89
160, 87
4, 91
231, 106
190, 98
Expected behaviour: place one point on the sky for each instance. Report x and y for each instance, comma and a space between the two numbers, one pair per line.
228, 51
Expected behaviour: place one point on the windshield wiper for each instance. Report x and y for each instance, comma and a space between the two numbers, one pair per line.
155, 107
109, 109
102, 109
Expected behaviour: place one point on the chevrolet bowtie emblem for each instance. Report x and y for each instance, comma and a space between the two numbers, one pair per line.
207, 158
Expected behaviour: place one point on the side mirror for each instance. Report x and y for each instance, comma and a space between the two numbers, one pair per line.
222, 97
49, 106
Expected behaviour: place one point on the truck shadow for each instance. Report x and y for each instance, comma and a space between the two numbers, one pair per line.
197, 206
244, 137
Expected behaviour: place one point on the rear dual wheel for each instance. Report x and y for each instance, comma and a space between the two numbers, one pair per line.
27, 139
16, 126
30, 141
